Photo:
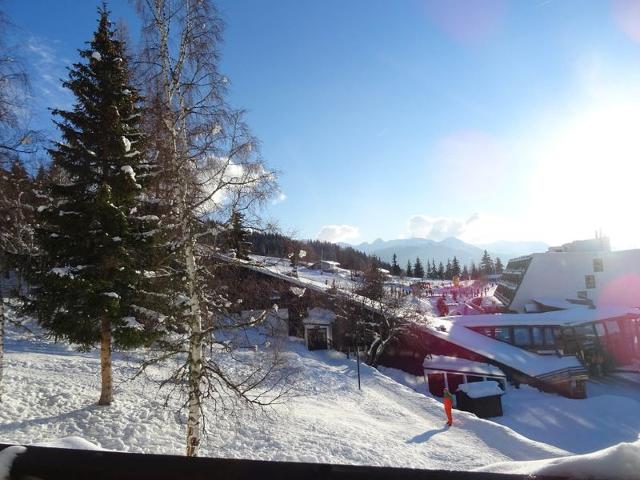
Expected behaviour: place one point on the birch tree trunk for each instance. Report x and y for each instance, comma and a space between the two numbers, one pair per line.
106, 392
194, 426
2, 321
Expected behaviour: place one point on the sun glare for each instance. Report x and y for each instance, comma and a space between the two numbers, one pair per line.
588, 174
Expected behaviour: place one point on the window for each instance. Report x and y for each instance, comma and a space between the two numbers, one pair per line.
586, 335
598, 265
582, 294
600, 329
503, 333
538, 337
521, 336
612, 326
549, 338
590, 281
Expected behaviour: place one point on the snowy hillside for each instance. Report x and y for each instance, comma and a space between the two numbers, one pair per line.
51, 393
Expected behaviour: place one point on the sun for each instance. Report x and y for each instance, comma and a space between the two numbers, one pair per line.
588, 175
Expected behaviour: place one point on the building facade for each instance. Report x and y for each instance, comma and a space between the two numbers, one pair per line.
586, 272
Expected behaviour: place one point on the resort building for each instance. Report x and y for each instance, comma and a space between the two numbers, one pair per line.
582, 272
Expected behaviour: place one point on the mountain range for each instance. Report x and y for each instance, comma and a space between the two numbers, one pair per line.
426, 249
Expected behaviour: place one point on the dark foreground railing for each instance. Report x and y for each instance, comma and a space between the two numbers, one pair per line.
65, 464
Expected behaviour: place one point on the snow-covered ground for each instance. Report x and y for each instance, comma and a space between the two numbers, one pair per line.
51, 392
607, 417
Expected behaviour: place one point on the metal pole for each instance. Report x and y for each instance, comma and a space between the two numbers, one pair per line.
358, 363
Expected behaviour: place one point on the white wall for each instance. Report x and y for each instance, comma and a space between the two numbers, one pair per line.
562, 274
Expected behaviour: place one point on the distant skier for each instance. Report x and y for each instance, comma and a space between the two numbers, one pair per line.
448, 404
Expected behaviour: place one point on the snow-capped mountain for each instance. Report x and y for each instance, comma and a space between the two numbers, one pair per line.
426, 249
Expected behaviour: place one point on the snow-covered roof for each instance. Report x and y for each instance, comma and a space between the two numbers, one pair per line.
573, 316
557, 303
460, 365
319, 316
330, 262
517, 358
481, 389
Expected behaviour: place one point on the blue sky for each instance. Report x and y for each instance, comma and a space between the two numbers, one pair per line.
488, 120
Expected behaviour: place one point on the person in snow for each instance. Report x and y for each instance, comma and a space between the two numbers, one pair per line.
448, 404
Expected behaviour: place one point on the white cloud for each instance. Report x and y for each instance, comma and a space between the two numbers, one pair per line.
435, 228
478, 228
281, 197
338, 233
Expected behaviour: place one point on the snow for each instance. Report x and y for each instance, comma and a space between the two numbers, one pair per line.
481, 389
128, 170
51, 392
605, 418
96, 56
61, 271
148, 218
133, 323
462, 365
557, 303
127, 145
74, 442
319, 316
504, 353
111, 294
621, 462
574, 316
6, 460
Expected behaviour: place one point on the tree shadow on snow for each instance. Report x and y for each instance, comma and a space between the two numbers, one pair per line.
424, 437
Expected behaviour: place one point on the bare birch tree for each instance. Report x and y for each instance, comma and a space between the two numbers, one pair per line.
210, 168
16, 207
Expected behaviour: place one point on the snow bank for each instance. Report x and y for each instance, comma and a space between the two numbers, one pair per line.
481, 389
6, 460
74, 442
621, 462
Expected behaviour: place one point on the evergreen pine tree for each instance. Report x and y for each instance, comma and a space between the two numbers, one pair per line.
499, 267
455, 268
409, 269
237, 236
395, 268
441, 271
448, 270
429, 272
465, 273
474, 271
96, 233
486, 264
418, 269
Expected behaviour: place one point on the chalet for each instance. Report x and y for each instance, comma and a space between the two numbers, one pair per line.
554, 351
328, 265
318, 329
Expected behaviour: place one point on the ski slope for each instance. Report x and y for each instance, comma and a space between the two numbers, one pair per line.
51, 393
